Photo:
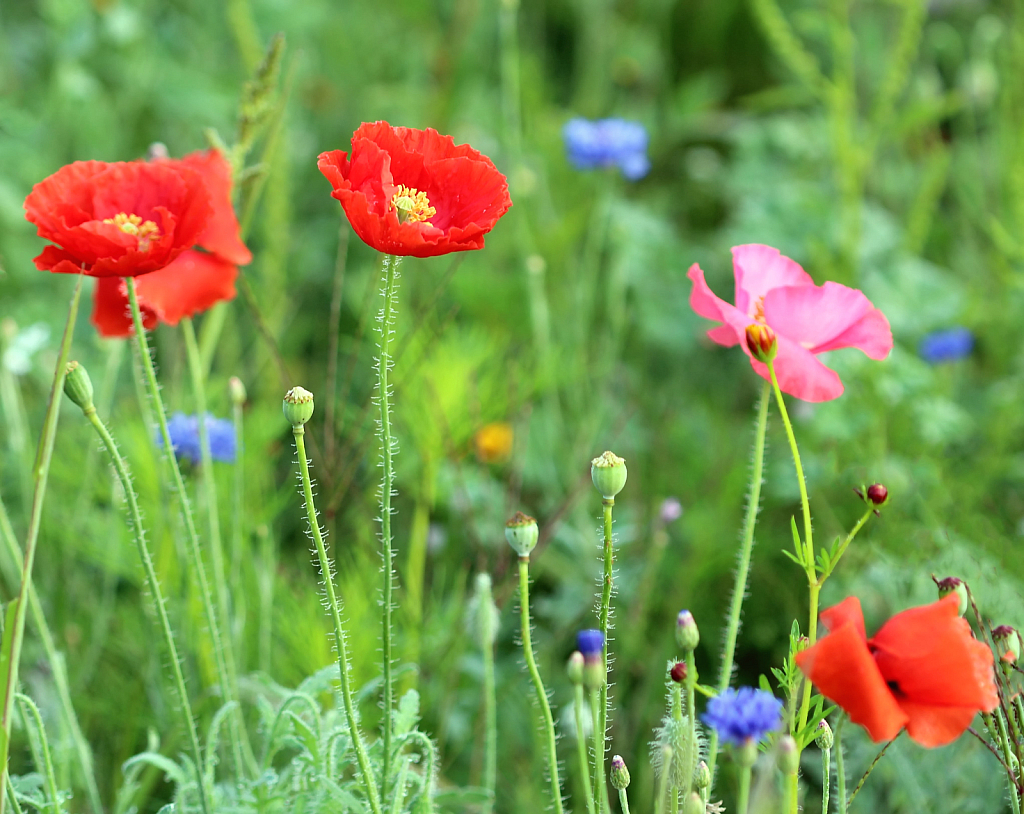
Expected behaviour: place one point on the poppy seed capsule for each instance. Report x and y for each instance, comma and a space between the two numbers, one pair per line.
1007, 641
824, 739
687, 635
762, 342
878, 494
953, 585
608, 471
298, 406
619, 773
522, 534
693, 804
678, 672
78, 385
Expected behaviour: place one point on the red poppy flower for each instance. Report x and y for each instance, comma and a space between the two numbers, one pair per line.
923, 670
415, 192
195, 280
118, 220
807, 319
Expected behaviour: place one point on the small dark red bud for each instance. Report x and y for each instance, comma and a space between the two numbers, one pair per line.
878, 494
678, 672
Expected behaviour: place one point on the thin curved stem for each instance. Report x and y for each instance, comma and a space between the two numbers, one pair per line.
385, 324
840, 767
538, 684
601, 721
365, 772
581, 748
739, 589
867, 773
155, 593
15, 615
29, 709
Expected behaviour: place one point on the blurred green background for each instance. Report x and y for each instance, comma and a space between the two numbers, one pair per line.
877, 143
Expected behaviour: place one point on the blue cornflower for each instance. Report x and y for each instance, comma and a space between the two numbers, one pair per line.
184, 432
743, 715
946, 346
607, 143
590, 643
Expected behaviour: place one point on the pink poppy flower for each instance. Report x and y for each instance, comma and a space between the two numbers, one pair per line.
808, 319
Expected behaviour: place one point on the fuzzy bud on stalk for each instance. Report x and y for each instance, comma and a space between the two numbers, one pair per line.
1007, 641
953, 585
484, 614
746, 753
762, 342
522, 534
78, 385
298, 406
619, 773
687, 635
678, 672
608, 471
702, 776
824, 739
789, 755
574, 669
236, 390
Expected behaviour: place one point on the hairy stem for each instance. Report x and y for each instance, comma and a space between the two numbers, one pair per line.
867, 773
601, 722
581, 748
840, 768
602, 782
826, 778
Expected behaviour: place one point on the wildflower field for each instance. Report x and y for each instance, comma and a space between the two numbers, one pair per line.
511, 406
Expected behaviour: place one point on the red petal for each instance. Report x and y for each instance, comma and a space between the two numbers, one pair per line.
111, 312
933, 726
191, 284
221, 235
842, 669
846, 612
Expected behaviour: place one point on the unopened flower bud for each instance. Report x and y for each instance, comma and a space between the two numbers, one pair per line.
298, 406
619, 773
802, 643
522, 534
878, 494
702, 776
483, 613
824, 739
608, 472
78, 385
693, 804
746, 753
687, 635
1007, 641
762, 342
236, 390
575, 668
789, 755
678, 672
953, 585
591, 645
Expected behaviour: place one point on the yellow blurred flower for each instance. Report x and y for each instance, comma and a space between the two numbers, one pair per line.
494, 442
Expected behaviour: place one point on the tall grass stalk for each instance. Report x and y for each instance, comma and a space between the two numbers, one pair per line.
193, 547
327, 574
14, 627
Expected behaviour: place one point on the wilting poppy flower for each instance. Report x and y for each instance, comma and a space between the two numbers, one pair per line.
196, 280
923, 670
118, 220
808, 319
415, 192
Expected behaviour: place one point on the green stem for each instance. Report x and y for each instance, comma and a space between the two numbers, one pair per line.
623, 801
661, 791
236, 727
840, 768
491, 724
846, 543
601, 720
739, 589
193, 548
238, 555
1009, 757
326, 572
155, 593
691, 733
743, 796
864, 777
15, 634
602, 782
581, 747
826, 778
385, 324
30, 710
538, 684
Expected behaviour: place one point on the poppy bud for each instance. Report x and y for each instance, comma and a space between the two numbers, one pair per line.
522, 533
1007, 644
746, 753
824, 739
693, 804
789, 755
483, 615
702, 776
678, 672
78, 385
762, 342
619, 773
608, 472
298, 406
236, 390
878, 494
575, 668
687, 635
953, 585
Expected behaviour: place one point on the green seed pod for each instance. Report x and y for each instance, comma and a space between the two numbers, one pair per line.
298, 406
78, 385
574, 668
609, 474
619, 773
522, 534
687, 634
789, 755
824, 739
702, 776
693, 804
236, 390
953, 585
1007, 641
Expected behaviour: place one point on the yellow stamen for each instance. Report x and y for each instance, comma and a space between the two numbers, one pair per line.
413, 206
759, 310
145, 231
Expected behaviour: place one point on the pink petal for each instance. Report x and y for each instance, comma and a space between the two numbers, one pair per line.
800, 373
704, 302
758, 269
828, 317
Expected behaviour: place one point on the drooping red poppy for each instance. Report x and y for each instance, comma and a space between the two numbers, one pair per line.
194, 281
923, 670
415, 192
808, 319
118, 220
